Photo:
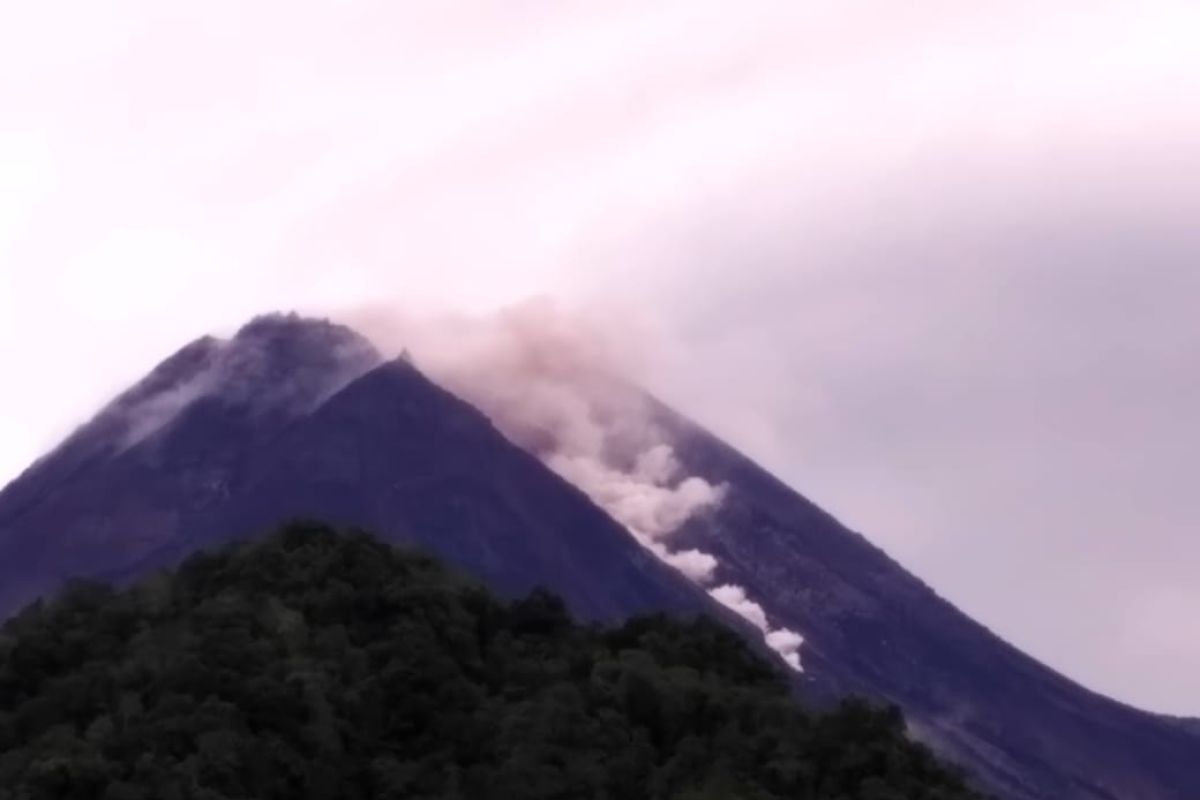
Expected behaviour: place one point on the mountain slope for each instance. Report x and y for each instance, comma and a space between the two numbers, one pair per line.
1189, 724
281, 428
166, 452
395, 453
297, 418
871, 627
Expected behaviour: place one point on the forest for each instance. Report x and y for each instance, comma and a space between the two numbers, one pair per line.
316, 664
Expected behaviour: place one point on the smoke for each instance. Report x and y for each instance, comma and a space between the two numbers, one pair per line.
734, 598
784, 641
558, 388
250, 371
146, 418
646, 500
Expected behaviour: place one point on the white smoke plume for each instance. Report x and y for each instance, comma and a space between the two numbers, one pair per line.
149, 416
555, 388
782, 640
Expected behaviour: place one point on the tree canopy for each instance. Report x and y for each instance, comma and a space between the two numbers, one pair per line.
315, 664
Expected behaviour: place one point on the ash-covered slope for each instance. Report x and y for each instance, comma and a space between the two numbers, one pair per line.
872, 628
297, 418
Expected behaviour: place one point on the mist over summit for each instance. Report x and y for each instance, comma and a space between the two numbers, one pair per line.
518, 450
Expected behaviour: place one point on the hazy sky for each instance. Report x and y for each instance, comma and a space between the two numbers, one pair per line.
937, 263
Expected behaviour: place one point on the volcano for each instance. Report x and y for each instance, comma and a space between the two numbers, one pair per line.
300, 418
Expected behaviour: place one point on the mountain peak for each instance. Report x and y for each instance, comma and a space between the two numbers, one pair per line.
290, 363
280, 325
277, 365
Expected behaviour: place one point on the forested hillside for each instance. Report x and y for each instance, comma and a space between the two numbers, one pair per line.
322, 665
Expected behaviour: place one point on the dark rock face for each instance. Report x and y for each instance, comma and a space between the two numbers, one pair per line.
295, 418
1188, 724
872, 628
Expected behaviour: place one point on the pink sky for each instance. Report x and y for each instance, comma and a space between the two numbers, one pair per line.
934, 262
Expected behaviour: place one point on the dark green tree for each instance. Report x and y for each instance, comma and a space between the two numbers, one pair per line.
321, 665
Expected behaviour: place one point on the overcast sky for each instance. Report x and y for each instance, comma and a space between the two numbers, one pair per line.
937, 263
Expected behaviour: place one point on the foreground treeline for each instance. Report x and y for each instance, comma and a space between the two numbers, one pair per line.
318, 665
